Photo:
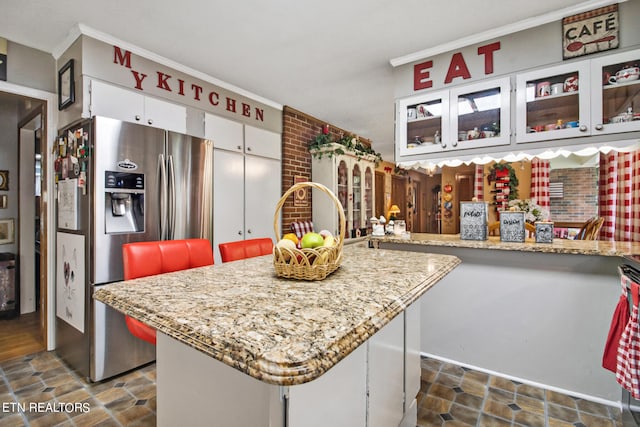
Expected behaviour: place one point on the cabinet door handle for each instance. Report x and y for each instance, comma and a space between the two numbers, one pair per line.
239, 147
443, 144
248, 148
239, 232
598, 127
138, 118
249, 231
150, 121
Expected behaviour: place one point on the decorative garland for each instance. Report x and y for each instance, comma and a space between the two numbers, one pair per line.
348, 142
513, 179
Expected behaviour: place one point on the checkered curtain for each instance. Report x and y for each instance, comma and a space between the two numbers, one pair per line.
478, 190
540, 182
619, 196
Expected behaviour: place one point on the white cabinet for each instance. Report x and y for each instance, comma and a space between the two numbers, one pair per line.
553, 103
224, 133
233, 136
260, 142
351, 179
422, 123
126, 105
386, 375
246, 187
615, 102
470, 116
588, 99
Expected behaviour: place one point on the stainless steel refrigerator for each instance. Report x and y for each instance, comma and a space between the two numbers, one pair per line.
118, 182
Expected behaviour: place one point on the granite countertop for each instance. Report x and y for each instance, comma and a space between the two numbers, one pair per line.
280, 331
560, 246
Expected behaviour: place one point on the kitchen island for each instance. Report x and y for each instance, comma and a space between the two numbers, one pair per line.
239, 346
538, 313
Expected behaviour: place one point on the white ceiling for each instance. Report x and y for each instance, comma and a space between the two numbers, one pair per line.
329, 58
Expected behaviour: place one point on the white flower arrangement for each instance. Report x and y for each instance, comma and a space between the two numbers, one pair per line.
532, 212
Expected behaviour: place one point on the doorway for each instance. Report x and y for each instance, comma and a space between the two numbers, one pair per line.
25, 156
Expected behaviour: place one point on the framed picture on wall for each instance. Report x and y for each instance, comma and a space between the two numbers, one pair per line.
66, 86
4, 180
6, 231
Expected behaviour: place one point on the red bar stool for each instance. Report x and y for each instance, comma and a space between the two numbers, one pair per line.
233, 251
141, 259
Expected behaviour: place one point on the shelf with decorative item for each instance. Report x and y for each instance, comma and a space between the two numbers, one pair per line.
323, 145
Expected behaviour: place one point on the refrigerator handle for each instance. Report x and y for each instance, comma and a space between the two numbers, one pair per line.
172, 198
162, 172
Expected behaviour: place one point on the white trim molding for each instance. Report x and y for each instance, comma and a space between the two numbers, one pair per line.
525, 24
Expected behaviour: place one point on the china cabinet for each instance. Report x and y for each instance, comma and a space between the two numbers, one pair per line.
584, 98
351, 179
470, 116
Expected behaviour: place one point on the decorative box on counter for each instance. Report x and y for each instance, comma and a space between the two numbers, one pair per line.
474, 217
544, 232
512, 226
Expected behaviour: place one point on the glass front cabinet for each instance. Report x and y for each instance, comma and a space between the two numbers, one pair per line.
470, 116
615, 104
351, 179
553, 103
583, 98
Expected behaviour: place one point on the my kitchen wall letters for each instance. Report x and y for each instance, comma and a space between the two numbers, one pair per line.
166, 82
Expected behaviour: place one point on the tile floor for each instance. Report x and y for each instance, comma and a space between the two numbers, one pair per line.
454, 396
67, 399
450, 396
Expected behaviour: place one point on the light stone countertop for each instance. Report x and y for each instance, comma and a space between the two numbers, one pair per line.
559, 246
280, 331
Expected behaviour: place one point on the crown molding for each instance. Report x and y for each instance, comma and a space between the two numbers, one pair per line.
525, 24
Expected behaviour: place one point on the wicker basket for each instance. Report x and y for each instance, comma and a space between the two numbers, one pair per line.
308, 263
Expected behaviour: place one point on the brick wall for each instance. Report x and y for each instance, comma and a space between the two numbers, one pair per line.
580, 201
298, 129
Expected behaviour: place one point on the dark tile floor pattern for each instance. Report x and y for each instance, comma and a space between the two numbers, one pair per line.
126, 400
450, 396
454, 396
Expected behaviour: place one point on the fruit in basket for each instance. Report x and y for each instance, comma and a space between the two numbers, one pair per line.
311, 240
325, 233
323, 258
292, 237
286, 244
329, 241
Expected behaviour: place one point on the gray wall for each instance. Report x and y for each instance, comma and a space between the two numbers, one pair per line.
30, 67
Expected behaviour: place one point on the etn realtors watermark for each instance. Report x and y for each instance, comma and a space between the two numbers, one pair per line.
48, 407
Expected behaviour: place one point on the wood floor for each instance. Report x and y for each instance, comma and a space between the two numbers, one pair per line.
20, 336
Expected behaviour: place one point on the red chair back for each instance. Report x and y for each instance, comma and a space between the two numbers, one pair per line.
233, 251
141, 259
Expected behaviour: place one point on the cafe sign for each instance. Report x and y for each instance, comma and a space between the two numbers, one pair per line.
590, 32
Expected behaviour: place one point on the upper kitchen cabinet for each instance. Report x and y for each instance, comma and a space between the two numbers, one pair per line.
615, 105
471, 116
586, 98
553, 103
129, 106
224, 133
480, 114
422, 123
260, 142
234, 136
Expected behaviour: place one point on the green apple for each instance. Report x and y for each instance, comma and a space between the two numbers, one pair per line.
311, 240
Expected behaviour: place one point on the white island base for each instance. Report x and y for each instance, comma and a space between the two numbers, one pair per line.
366, 388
